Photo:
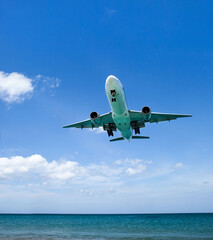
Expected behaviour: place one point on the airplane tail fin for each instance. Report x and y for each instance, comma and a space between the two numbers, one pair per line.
133, 137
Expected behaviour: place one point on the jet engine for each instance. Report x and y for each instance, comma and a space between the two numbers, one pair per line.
146, 111
95, 118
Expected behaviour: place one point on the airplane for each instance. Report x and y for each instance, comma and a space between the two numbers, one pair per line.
121, 118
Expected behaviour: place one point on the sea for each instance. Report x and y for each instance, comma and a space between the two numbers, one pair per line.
106, 226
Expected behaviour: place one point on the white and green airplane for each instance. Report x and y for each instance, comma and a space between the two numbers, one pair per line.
121, 118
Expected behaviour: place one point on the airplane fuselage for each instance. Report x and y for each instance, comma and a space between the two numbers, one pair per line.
120, 113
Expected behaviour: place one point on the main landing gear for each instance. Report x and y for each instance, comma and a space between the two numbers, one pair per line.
137, 130
110, 132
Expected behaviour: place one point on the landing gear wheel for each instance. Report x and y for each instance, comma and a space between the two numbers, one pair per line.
137, 130
110, 132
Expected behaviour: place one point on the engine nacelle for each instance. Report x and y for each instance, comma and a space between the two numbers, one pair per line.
146, 111
95, 118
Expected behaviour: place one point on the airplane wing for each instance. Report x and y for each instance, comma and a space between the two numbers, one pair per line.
160, 117
105, 120
156, 117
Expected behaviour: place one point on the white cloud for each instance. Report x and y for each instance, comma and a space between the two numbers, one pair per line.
36, 166
179, 165
44, 82
97, 130
132, 171
133, 162
14, 87
132, 166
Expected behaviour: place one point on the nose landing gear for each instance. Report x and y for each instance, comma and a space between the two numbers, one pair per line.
113, 92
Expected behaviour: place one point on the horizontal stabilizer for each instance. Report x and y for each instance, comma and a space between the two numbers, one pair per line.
116, 139
140, 137
133, 137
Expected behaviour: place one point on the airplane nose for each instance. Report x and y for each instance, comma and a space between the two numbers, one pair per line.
111, 79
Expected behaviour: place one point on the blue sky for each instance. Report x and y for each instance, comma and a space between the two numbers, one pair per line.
55, 58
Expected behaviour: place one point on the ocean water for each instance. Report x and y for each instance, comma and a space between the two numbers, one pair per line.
98, 227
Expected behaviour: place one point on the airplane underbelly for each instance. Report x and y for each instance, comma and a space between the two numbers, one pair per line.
122, 122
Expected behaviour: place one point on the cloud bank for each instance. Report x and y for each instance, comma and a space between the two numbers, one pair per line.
36, 166
33, 184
